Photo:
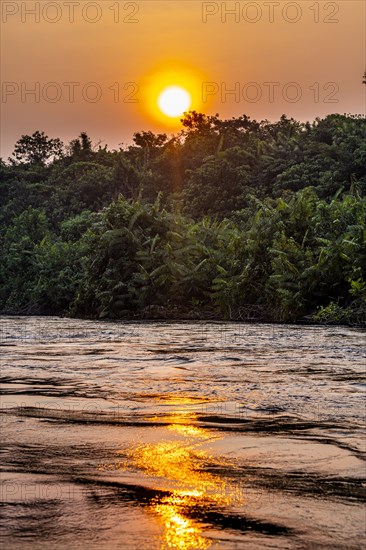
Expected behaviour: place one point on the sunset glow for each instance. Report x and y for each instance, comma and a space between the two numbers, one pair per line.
251, 69
168, 89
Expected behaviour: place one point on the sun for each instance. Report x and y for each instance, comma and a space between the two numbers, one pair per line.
174, 101
167, 90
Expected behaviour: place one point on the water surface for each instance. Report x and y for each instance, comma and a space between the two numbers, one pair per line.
181, 435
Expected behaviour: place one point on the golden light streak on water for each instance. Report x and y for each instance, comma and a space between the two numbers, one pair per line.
192, 431
179, 531
179, 464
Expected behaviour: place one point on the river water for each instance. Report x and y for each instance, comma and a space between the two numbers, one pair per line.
181, 435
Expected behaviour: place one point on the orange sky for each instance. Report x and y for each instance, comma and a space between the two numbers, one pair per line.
133, 46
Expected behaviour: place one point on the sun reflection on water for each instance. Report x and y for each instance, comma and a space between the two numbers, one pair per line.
185, 469
179, 464
192, 431
179, 531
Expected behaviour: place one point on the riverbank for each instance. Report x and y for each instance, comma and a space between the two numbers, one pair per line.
250, 314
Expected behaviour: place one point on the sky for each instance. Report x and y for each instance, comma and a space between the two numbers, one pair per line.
99, 66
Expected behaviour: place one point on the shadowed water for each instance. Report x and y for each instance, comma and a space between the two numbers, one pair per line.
181, 435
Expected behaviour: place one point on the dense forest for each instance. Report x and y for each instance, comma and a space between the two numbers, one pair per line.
227, 219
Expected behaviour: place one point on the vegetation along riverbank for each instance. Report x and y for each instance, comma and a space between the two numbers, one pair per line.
228, 219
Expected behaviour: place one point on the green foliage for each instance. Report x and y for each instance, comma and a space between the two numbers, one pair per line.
39, 273
332, 314
214, 188
235, 219
37, 148
141, 255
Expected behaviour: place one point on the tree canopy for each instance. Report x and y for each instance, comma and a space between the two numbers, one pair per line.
235, 219
37, 148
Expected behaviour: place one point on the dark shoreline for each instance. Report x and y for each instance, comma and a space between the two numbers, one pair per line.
161, 314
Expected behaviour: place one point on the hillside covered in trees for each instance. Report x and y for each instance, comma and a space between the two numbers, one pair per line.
228, 219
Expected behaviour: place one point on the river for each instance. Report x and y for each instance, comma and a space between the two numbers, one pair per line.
181, 435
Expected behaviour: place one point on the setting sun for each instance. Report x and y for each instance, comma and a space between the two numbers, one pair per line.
168, 89
173, 101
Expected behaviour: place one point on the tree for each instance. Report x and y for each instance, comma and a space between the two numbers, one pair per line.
37, 149
81, 148
150, 144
